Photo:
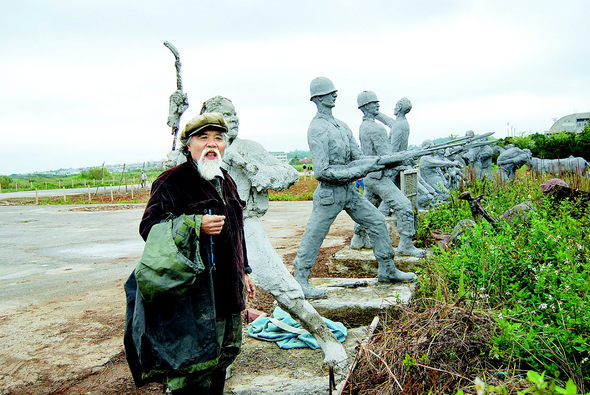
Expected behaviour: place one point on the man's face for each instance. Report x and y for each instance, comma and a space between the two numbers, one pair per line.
329, 100
372, 108
210, 145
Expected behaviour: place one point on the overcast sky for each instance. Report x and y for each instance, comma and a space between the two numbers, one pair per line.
87, 82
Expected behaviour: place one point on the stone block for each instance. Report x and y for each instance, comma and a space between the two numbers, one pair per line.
362, 262
357, 306
263, 368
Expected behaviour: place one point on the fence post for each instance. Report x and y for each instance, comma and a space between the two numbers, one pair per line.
45, 184
36, 197
89, 199
131, 191
64, 192
16, 188
31, 184
111, 192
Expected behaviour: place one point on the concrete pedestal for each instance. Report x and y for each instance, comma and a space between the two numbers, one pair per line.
357, 306
362, 262
263, 368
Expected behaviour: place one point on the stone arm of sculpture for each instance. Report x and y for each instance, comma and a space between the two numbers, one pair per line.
262, 169
429, 161
339, 174
513, 156
387, 120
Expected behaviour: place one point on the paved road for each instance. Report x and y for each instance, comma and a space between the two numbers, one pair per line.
49, 252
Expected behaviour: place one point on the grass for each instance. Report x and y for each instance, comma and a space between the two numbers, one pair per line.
31, 182
528, 281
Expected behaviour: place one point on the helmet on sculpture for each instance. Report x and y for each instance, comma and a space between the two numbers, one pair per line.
366, 97
320, 86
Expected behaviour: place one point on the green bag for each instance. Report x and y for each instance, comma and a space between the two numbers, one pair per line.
171, 258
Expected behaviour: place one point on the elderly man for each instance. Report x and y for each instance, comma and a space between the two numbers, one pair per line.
255, 171
187, 340
374, 141
338, 162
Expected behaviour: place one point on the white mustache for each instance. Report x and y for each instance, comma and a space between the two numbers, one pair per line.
206, 151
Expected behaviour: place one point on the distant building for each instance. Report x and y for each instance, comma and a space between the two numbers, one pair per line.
280, 156
571, 123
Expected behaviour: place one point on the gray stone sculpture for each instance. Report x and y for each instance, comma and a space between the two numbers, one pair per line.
178, 99
511, 160
399, 127
338, 162
426, 194
431, 171
479, 155
398, 136
255, 171
379, 185
575, 165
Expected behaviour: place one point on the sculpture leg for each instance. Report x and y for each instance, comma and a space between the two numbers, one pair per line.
394, 199
270, 274
367, 215
360, 238
308, 317
318, 225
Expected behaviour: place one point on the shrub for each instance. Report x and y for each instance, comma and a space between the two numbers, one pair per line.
5, 181
534, 273
96, 173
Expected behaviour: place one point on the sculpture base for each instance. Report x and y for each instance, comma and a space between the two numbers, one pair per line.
362, 262
264, 368
357, 306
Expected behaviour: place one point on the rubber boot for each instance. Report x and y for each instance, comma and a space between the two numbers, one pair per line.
302, 277
388, 273
405, 226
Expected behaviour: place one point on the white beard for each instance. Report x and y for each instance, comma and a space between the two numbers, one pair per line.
209, 168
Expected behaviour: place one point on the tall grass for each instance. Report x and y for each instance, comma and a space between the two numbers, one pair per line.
533, 274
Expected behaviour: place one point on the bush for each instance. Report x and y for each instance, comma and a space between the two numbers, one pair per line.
96, 173
533, 273
5, 181
556, 145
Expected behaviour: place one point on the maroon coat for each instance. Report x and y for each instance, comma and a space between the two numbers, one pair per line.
182, 190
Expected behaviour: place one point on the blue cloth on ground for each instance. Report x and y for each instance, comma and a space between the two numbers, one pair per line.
263, 329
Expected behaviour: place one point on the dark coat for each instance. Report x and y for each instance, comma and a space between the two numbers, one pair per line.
182, 190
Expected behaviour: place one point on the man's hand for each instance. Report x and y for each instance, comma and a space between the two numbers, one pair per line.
212, 224
250, 287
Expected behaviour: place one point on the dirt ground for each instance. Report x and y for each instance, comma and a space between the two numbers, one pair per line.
73, 345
